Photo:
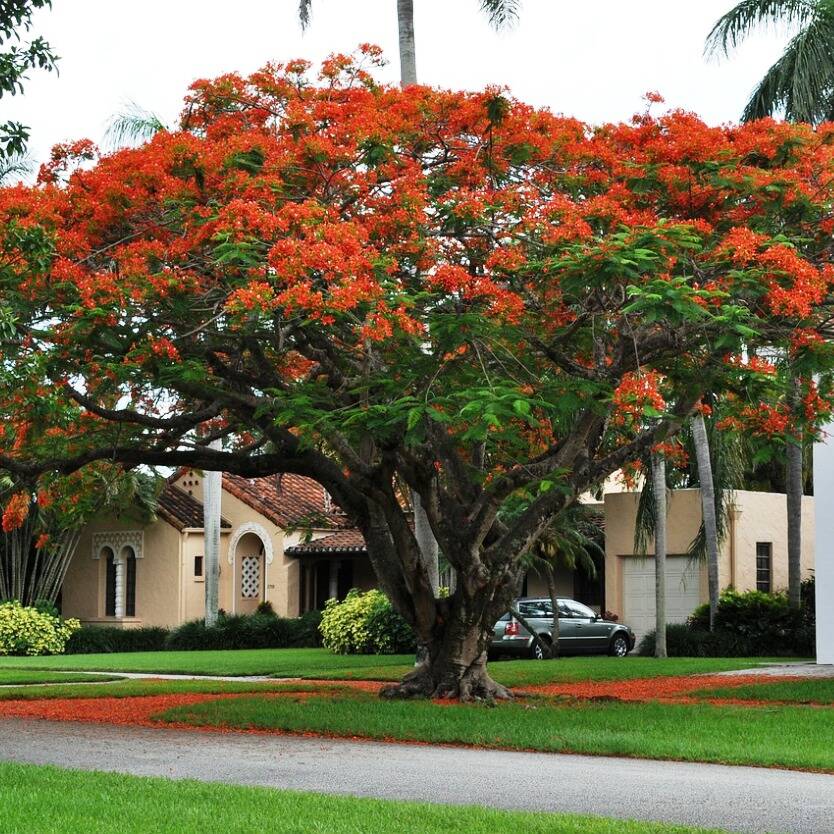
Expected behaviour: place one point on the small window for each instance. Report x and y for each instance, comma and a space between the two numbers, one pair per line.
764, 562
198, 567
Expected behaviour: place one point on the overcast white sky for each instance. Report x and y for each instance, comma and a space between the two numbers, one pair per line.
587, 58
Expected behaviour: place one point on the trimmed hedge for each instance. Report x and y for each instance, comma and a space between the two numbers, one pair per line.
749, 624
255, 631
365, 624
107, 639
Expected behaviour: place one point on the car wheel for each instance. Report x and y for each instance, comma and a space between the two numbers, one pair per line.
536, 650
619, 646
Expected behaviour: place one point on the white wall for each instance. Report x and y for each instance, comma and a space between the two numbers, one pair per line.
824, 545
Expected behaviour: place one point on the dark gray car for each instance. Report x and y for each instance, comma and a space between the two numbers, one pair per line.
581, 630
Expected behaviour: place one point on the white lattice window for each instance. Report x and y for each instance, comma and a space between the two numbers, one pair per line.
250, 577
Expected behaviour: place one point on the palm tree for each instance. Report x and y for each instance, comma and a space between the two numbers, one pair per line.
800, 85
568, 541
132, 125
500, 13
708, 514
659, 489
794, 488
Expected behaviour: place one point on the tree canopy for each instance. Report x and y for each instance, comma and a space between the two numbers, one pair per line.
383, 289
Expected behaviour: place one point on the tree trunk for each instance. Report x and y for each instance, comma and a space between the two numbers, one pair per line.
554, 602
699, 437
659, 489
429, 553
457, 652
794, 488
212, 487
408, 50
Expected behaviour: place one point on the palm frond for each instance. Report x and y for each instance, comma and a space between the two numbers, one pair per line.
134, 124
14, 165
304, 7
644, 521
801, 83
748, 15
501, 13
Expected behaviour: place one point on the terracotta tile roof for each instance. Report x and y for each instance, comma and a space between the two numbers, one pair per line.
344, 541
286, 500
180, 510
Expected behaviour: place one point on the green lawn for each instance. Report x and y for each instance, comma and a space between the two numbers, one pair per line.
811, 691
19, 677
320, 663
277, 662
54, 801
787, 736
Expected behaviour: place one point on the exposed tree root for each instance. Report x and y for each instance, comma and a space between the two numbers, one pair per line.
453, 681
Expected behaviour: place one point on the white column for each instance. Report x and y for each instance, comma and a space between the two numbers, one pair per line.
824, 545
120, 586
334, 579
212, 487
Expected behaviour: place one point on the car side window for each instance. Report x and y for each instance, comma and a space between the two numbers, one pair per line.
581, 611
564, 611
531, 609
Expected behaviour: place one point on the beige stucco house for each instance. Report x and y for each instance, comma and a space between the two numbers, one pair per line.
753, 555
282, 541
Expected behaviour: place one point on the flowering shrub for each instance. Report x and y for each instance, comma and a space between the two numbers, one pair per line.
28, 631
365, 624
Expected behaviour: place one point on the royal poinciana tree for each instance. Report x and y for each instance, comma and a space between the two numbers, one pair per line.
386, 289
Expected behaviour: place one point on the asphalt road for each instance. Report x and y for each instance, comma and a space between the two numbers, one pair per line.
732, 798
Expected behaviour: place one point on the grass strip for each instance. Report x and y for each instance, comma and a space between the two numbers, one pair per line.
23, 677
50, 800
686, 732
322, 664
810, 691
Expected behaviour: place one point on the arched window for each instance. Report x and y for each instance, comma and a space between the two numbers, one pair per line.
109, 582
129, 555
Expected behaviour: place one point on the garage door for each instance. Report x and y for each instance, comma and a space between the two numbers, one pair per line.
682, 591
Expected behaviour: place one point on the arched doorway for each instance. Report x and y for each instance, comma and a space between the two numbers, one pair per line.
250, 554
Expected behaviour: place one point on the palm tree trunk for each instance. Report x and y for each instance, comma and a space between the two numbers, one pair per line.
212, 491
794, 490
659, 488
702, 455
554, 602
408, 50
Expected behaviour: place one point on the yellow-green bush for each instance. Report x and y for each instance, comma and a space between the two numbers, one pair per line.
27, 631
365, 624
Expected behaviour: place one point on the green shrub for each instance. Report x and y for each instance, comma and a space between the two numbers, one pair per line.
748, 624
247, 631
685, 641
106, 639
27, 631
303, 631
365, 623
254, 631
